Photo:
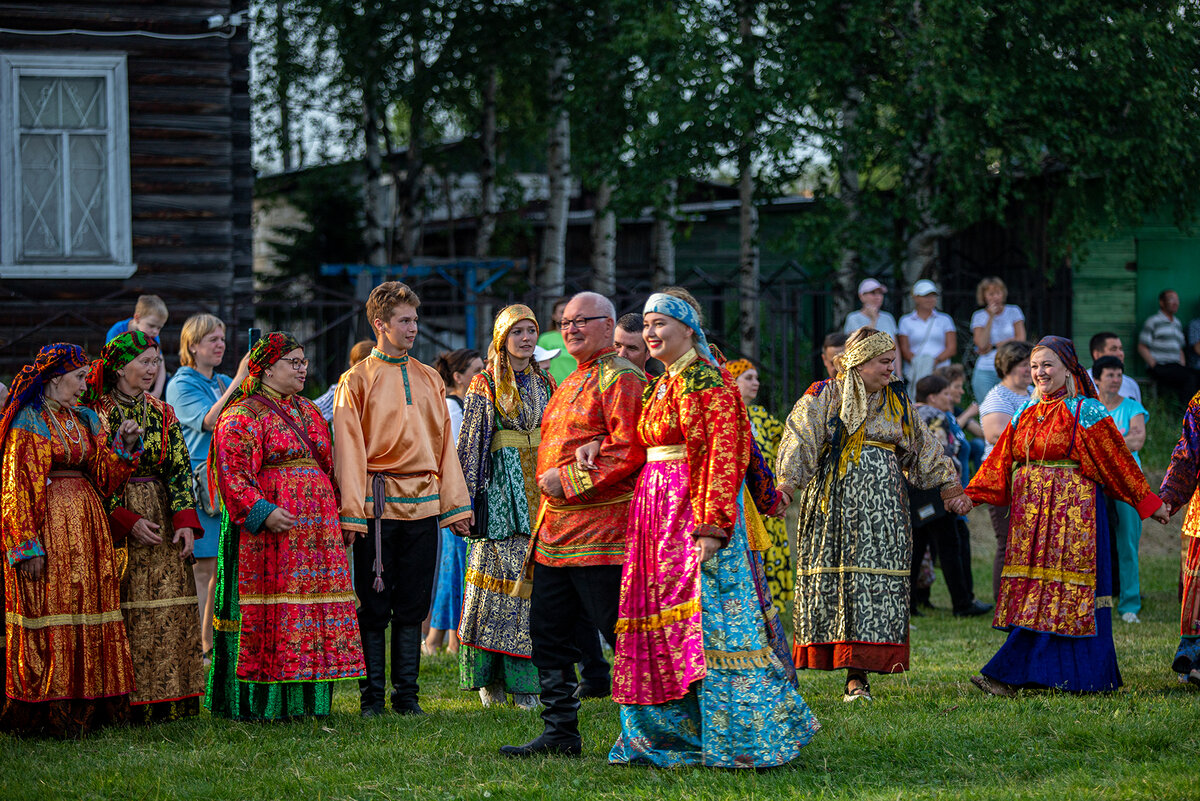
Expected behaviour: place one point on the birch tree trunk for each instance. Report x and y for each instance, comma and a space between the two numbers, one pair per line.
604, 243
663, 252
487, 170
410, 189
372, 169
554, 240
846, 298
283, 78
748, 262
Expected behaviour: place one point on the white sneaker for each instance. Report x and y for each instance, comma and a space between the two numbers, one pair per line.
493, 695
1131, 617
526, 701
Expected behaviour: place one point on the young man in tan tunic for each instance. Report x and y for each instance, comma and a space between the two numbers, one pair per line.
397, 467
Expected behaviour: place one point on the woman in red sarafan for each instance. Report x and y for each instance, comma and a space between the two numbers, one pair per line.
1059, 453
285, 620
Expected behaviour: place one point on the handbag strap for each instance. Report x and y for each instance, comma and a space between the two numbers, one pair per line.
273, 406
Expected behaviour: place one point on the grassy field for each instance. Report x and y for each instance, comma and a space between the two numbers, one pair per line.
929, 734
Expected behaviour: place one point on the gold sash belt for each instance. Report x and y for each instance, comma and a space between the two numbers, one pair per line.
1069, 463
507, 438
301, 462
665, 453
887, 446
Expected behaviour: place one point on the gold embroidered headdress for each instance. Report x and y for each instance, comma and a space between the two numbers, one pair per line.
853, 413
508, 400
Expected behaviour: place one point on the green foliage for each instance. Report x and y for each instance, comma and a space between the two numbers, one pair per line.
328, 199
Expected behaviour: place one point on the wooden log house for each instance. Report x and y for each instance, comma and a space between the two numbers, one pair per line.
124, 169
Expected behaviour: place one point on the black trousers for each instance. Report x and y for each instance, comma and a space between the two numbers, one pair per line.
562, 596
1176, 379
409, 563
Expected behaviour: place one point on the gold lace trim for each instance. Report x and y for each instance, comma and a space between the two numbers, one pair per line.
160, 603
662, 619
737, 660
89, 619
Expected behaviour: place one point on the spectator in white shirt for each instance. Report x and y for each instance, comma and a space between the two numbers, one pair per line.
1106, 343
991, 326
926, 337
870, 294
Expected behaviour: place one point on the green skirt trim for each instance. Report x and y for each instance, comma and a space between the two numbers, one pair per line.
478, 668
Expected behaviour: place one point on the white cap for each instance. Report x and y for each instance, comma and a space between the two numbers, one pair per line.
924, 287
870, 285
540, 354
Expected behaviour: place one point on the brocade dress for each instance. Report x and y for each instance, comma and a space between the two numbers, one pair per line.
68, 663
854, 535
285, 626
499, 455
777, 561
1052, 463
158, 595
695, 672
1178, 487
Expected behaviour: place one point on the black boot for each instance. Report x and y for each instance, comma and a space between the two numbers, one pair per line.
595, 678
406, 665
371, 686
560, 716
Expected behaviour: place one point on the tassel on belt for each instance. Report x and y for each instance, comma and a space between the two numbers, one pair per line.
378, 501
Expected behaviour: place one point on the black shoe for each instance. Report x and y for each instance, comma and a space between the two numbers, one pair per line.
406, 666
544, 745
371, 685
977, 607
588, 690
915, 612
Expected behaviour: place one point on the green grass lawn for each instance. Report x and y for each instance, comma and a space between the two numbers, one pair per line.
929, 734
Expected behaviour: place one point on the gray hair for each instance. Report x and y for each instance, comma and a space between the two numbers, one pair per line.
604, 304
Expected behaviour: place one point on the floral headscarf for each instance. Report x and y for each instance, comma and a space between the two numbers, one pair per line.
739, 366
1064, 349
120, 351
28, 386
681, 310
268, 350
508, 400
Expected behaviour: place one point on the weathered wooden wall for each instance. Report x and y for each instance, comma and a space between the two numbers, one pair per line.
190, 173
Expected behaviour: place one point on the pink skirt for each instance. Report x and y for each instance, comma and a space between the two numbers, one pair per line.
660, 640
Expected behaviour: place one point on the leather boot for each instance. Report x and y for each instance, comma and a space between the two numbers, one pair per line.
406, 665
560, 716
371, 686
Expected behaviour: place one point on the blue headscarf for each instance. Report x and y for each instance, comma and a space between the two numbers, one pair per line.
681, 310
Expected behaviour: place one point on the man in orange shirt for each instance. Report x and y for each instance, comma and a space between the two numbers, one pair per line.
580, 537
397, 467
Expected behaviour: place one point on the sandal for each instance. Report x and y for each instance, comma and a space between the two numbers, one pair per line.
862, 691
993, 687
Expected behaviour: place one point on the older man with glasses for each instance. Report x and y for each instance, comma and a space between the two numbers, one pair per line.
579, 536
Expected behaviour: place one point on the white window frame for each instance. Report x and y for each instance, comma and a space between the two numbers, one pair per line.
110, 66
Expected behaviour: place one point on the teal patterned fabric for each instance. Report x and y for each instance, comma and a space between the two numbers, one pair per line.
749, 716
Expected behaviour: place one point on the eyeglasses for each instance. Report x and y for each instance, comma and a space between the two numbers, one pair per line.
580, 322
297, 364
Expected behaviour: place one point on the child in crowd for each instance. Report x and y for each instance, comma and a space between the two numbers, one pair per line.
149, 317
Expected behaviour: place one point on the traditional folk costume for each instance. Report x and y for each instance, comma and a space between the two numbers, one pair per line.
68, 663
1178, 488
776, 556
1052, 463
398, 471
695, 673
501, 431
844, 450
285, 626
579, 540
158, 595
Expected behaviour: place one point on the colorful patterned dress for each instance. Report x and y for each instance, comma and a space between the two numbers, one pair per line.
777, 561
158, 595
1178, 487
854, 535
285, 624
68, 663
695, 673
499, 455
1051, 464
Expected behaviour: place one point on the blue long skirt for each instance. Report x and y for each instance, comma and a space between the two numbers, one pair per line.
747, 712
448, 592
1077, 664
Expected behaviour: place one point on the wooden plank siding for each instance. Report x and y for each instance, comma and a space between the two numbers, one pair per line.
1105, 289
190, 174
